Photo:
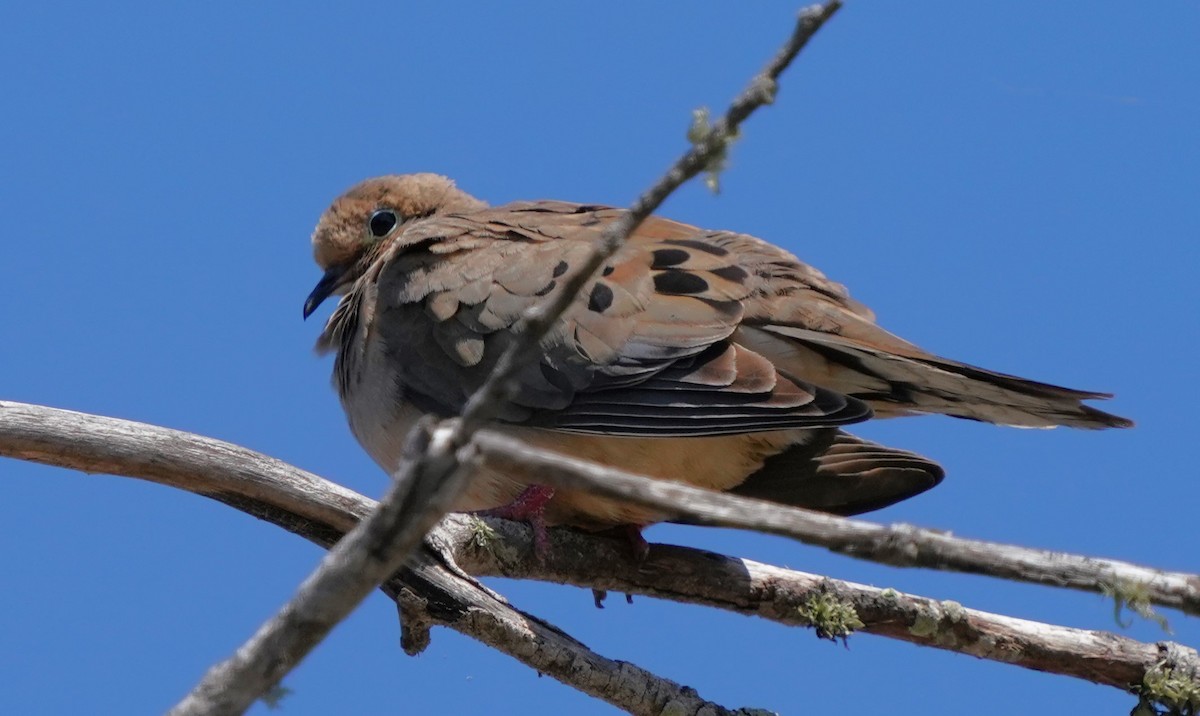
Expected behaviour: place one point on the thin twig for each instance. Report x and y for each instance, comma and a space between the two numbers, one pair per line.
486, 402
898, 545
430, 476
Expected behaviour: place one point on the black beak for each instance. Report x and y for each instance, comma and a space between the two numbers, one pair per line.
324, 289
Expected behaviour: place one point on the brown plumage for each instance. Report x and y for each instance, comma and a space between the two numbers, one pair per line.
709, 357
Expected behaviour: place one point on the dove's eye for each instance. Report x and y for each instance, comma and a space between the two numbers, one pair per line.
382, 222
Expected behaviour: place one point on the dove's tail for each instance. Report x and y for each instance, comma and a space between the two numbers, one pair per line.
841, 474
902, 379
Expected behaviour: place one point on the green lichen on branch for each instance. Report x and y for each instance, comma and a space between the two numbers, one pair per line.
1134, 597
1168, 691
482, 535
935, 622
702, 130
832, 616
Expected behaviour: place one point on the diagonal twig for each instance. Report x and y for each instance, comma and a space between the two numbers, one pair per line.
430, 476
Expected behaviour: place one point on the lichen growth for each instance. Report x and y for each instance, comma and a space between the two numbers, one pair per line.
766, 88
483, 537
1168, 691
701, 130
952, 611
831, 616
931, 622
890, 594
1133, 596
924, 626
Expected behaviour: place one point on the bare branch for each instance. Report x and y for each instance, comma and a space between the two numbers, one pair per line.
898, 545
323, 512
319, 510
747, 587
463, 605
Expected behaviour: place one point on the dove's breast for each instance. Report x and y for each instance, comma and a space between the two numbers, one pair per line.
381, 419
378, 418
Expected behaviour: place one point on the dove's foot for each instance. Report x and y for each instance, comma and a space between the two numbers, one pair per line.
632, 534
528, 507
599, 595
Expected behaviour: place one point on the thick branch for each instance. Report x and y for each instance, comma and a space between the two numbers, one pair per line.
462, 604
323, 512
319, 510
898, 545
739, 585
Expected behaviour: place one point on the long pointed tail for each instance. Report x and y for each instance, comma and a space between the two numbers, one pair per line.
902, 379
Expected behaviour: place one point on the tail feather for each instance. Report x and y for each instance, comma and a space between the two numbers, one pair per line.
841, 474
901, 380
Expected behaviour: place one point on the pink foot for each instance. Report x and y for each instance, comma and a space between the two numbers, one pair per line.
528, 507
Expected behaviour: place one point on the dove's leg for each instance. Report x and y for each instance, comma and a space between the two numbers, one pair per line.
528, 507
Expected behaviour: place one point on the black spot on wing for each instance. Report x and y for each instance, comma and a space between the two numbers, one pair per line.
679, 283
600, 299
666, 258
731, 273
560, 269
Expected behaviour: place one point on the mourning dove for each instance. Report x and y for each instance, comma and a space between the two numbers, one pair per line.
708, 357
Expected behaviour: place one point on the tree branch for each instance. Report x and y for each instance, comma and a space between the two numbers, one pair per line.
743, 586
323, 512
706, 150
320, 511
462, 604
898, 545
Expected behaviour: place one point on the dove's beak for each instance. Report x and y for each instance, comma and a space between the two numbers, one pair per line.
324, 289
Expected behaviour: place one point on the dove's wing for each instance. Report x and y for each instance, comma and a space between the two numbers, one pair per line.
808, 325
688, 332
646, 349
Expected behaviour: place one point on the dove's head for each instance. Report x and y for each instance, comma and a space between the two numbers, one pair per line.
360, 224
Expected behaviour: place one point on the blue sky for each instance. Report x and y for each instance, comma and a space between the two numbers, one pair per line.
1011, 184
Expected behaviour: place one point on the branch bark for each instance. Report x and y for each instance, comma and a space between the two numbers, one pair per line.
897, 545
782, 595
444, 597
322, 511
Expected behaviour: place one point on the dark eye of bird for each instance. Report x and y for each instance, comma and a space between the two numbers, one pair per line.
381, 222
